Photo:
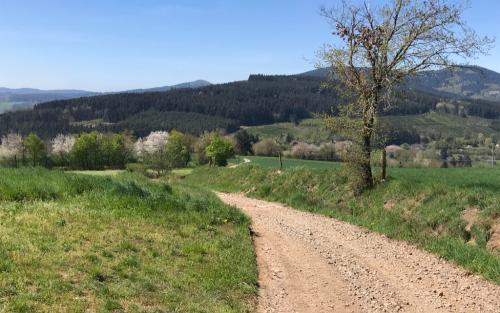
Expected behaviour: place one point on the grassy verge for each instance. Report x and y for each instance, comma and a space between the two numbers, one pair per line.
422, 206
83, 243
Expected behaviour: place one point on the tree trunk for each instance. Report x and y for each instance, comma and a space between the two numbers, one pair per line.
384, 164
493, 157
281, 161
366, 149
365, 165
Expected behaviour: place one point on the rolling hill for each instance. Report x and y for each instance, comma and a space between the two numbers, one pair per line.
470, 82
25, 98
260, 100
194, 84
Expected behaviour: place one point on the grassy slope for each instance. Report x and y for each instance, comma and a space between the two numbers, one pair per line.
310, 130
82, 243
448, 125
426, 204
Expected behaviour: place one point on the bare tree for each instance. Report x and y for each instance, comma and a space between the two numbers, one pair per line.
380, 47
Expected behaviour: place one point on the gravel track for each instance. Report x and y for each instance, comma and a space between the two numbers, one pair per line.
312, 263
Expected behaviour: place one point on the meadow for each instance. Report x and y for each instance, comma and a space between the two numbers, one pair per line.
274, 162
422, 206
116, 242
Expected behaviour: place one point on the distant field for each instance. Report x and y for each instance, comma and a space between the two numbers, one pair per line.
99, 173
447, 125
5, 106
270, 162
120, 243
273, 163
310, 130
182, 172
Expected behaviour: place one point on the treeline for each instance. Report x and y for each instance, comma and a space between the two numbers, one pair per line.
260, 100
192, 123
158, 152
89, 151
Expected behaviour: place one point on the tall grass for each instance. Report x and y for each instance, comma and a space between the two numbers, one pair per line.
80, 243
423, 206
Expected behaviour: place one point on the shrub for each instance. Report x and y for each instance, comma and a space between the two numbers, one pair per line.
35, 148
327, 152
177, 152
219, 150
200, 148
267, 147
304, 150
94, 151
243, 142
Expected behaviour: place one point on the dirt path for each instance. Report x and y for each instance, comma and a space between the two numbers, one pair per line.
310, 263
245, 161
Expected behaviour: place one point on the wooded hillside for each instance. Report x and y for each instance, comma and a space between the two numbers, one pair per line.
260, 100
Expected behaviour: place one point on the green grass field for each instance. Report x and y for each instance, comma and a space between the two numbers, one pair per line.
309, 130
422, 206
119, 243
270, 162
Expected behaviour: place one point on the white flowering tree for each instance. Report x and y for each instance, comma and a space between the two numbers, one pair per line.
153, 143
62, 144
61, 147
152, 151
11, 148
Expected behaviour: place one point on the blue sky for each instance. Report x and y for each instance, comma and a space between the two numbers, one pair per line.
109, 45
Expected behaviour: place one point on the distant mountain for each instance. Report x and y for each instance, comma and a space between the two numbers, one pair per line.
320, 72
32, 91
26, 98
471, 82
194, 84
